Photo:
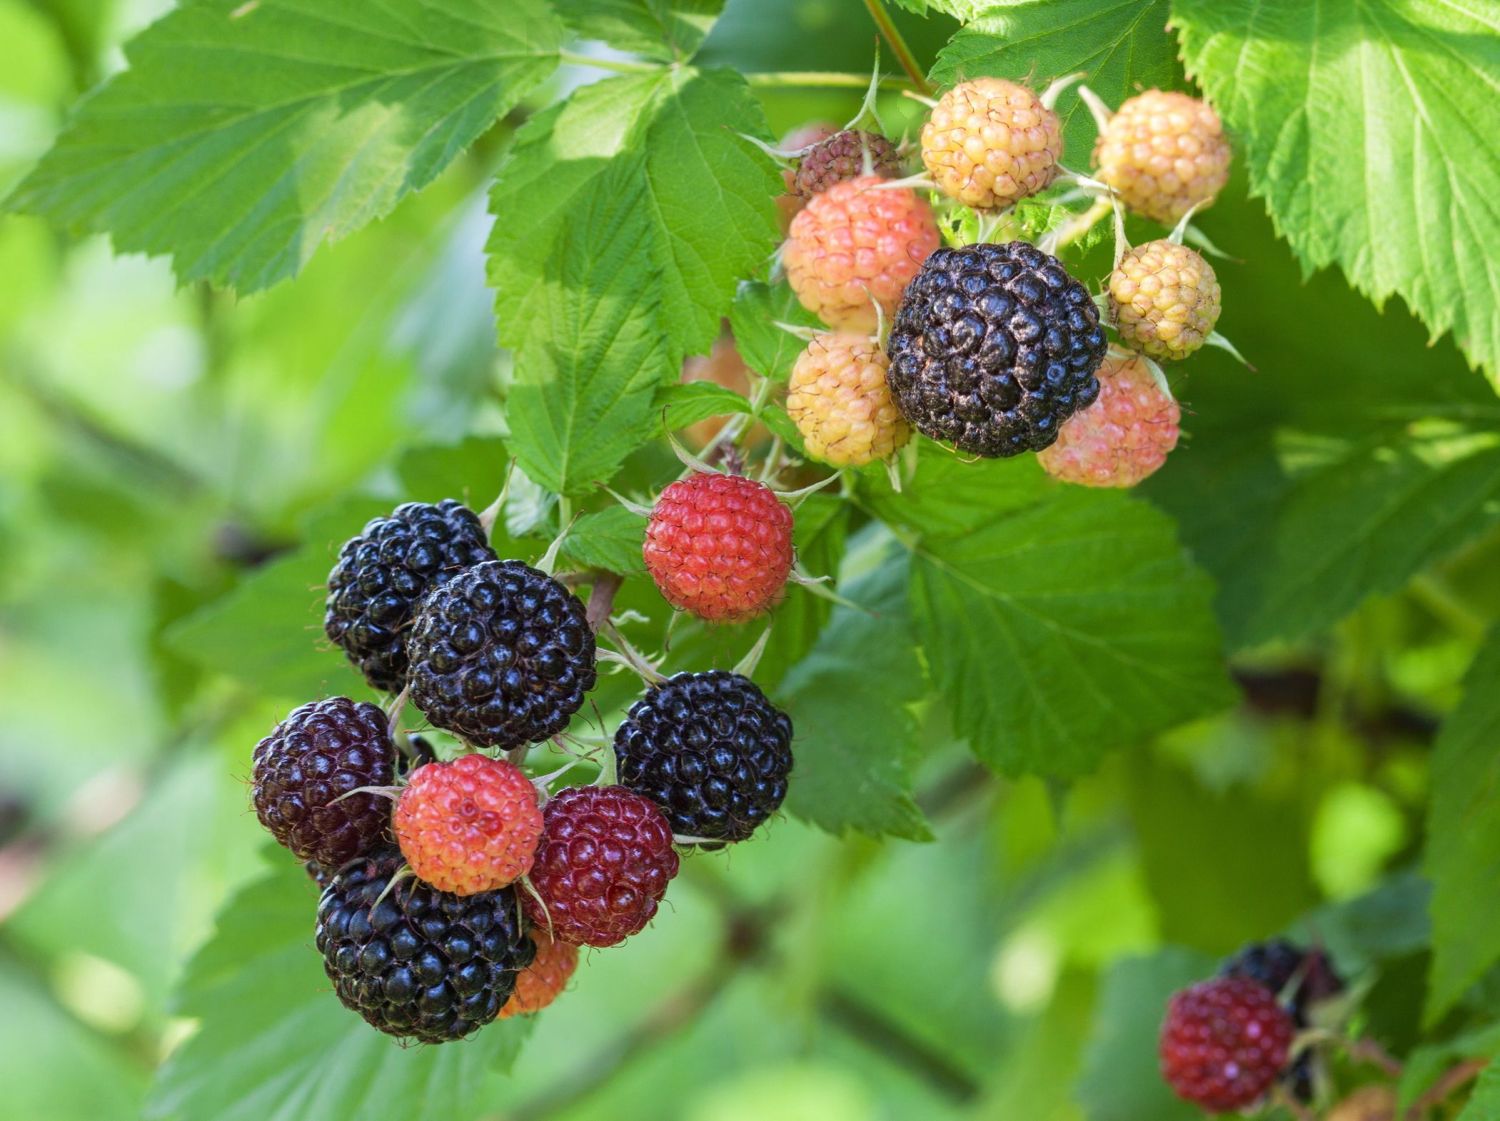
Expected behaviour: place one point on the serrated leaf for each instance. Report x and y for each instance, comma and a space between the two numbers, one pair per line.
625, 216
1121, 45
610, 539
946, 496
1060, 630
765, 347
856, 744
699, 400
666, 29
1463, 837
1323, 520
1122, 1078
276, 1043
268, 630
1363, 128
243, 135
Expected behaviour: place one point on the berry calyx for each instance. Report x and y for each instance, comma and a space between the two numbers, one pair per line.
1163, 153
845, 155
993, 348
840, 402
990, 143
383, 573
1224, 1043
604, 863
710, 750
501, 655
1164, 299
543, 981
420, 963
468, 826
1123, 437
304, 771
719, 546
855, 246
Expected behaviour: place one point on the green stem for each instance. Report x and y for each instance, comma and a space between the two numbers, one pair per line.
615, 65
1435, 594
830, 79
892, 35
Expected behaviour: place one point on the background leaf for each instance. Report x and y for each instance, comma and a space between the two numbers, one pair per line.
1463, 848
765, 347
1362, 125
244, 135
610, 539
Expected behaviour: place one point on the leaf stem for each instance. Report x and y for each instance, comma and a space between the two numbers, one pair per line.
832, 79
614, 65
892, 35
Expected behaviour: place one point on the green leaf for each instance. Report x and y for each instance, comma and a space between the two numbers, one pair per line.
276, 1042
1323, 520
1463, 837
472, 471
765, 347
268, 630
1065, 628
856, 741
1122, 1079
1121, 45
946, 496
624, 217
1484, 1103
699, 400
666, 29
243, 135
610, 539
1258, 879
1363, 127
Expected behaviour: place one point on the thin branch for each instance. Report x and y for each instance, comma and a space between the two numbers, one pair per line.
602, 599
892, 35
1440, 1091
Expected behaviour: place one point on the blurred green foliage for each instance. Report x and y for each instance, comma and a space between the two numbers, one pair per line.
174, 459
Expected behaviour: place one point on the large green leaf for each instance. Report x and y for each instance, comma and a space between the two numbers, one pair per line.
624, 218
1120, 45
856, 742
1366, 128
666, 29
275, 1044
1059, 630
1463, 831
243, 135
1351, 458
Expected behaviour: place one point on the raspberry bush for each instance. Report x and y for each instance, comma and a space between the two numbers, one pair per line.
571, 553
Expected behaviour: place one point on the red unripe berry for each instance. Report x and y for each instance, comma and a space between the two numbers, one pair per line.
719, 546
543, 981
468, 826
1224, 1043
604, 863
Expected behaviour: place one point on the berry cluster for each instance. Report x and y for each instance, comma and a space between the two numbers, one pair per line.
1226, 1042
456, 891
995, 349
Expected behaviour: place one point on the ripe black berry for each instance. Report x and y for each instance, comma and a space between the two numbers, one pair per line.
421, 963
303, 769
994, 346
501, 655
1300, 979
383, 573
710, 750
